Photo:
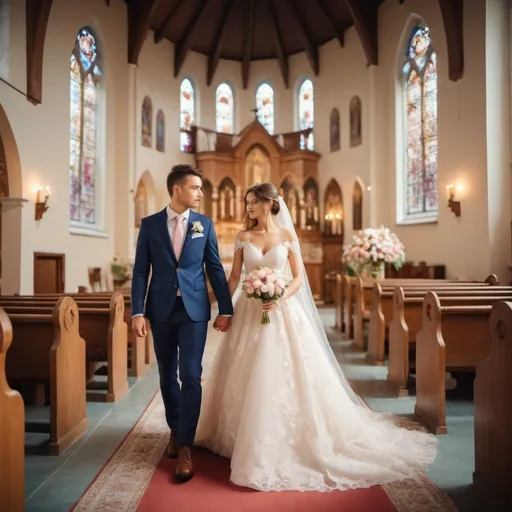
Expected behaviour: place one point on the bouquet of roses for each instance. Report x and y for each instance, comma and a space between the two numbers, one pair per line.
266, 285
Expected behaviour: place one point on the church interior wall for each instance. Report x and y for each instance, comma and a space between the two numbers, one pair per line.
467, 156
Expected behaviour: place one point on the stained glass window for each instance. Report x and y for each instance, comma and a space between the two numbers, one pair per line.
420, 91
265, 106
306, 105
84, 78
187, 113
224, 108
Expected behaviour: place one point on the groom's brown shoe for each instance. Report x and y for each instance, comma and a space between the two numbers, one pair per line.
184, 469
172, 447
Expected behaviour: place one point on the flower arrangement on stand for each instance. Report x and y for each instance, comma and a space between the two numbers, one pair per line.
371, 249
121, 271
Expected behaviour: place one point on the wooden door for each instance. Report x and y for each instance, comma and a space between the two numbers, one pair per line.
48, 273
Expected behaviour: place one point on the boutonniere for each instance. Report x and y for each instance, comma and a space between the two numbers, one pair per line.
197, 227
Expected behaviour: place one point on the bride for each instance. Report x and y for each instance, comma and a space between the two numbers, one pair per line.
276, 401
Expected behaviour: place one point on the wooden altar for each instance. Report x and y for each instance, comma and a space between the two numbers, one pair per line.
231, 163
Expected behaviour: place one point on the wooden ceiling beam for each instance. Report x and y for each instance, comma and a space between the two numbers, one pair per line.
310, 49
366, 25
139, 14
160, 34
214, 57
337, 32
37, 13
452, 12
278, 42
182, 46
249, 32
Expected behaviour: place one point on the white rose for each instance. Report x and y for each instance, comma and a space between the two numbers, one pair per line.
271, 278
262, 274
257, 284
280, 283
264, 289
250, 290
268, 270
271, 290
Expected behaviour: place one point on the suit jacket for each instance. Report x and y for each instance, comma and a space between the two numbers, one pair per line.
155, 253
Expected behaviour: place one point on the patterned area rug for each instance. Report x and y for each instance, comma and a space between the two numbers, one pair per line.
137, 477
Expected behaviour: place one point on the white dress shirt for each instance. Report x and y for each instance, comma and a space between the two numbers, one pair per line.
172, 218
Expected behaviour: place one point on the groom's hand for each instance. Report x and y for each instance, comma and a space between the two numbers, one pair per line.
222, 323
139, 326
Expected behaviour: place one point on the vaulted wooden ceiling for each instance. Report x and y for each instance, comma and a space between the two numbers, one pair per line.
249, 30
245, 31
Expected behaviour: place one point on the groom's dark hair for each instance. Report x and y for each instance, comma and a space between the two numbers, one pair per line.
178, 174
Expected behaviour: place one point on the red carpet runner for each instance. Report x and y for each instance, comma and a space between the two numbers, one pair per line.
211, 490
130, 482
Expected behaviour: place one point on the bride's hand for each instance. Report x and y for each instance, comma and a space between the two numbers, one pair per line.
269, 306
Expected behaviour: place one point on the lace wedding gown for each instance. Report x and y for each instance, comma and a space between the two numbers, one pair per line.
273, 404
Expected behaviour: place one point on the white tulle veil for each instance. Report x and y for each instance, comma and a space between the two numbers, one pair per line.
284, 221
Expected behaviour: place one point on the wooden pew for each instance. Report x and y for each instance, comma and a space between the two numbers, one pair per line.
407, 322
142, 350
450, 337
365, 300
493, 411
105, 333
48, 348
381, 312
12, 432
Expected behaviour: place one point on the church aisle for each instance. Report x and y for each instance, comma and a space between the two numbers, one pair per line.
65, 478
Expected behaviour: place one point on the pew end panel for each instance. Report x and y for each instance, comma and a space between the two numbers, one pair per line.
398, 366
377, 329
493, 414
451, 337
12, 431
67, 387
430, 368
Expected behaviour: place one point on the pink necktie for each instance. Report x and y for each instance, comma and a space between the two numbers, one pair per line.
179, 236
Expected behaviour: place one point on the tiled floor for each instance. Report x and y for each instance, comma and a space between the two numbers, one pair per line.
53, 484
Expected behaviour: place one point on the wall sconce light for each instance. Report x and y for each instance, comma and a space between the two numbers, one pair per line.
41, 206
452, 203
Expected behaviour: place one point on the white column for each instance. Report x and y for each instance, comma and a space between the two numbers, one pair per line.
238, 203
215, 204
133, 112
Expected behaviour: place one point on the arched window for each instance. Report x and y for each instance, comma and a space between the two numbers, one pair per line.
419, 87
306, 105
224, 108
83, 159
265, 106
187, 114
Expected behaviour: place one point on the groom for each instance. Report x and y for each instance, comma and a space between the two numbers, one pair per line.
176, 245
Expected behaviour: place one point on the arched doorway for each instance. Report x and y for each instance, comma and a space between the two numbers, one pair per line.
144, 199
10, 209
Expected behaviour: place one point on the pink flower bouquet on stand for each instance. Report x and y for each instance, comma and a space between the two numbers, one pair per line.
266, 285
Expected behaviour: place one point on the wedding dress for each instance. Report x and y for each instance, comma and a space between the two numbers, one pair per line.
276, 405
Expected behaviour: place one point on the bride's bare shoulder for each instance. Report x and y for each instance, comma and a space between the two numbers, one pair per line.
243, 235
287, 236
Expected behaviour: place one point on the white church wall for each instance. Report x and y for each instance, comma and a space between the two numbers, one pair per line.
42, 134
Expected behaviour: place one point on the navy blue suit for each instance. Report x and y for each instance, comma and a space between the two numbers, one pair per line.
179, 323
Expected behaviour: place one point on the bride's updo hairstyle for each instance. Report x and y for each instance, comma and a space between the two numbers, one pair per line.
266, 193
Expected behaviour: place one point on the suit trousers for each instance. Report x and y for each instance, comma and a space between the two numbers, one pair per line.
179, 345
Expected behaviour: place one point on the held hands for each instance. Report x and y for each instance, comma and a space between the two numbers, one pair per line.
139, 326
222, 323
